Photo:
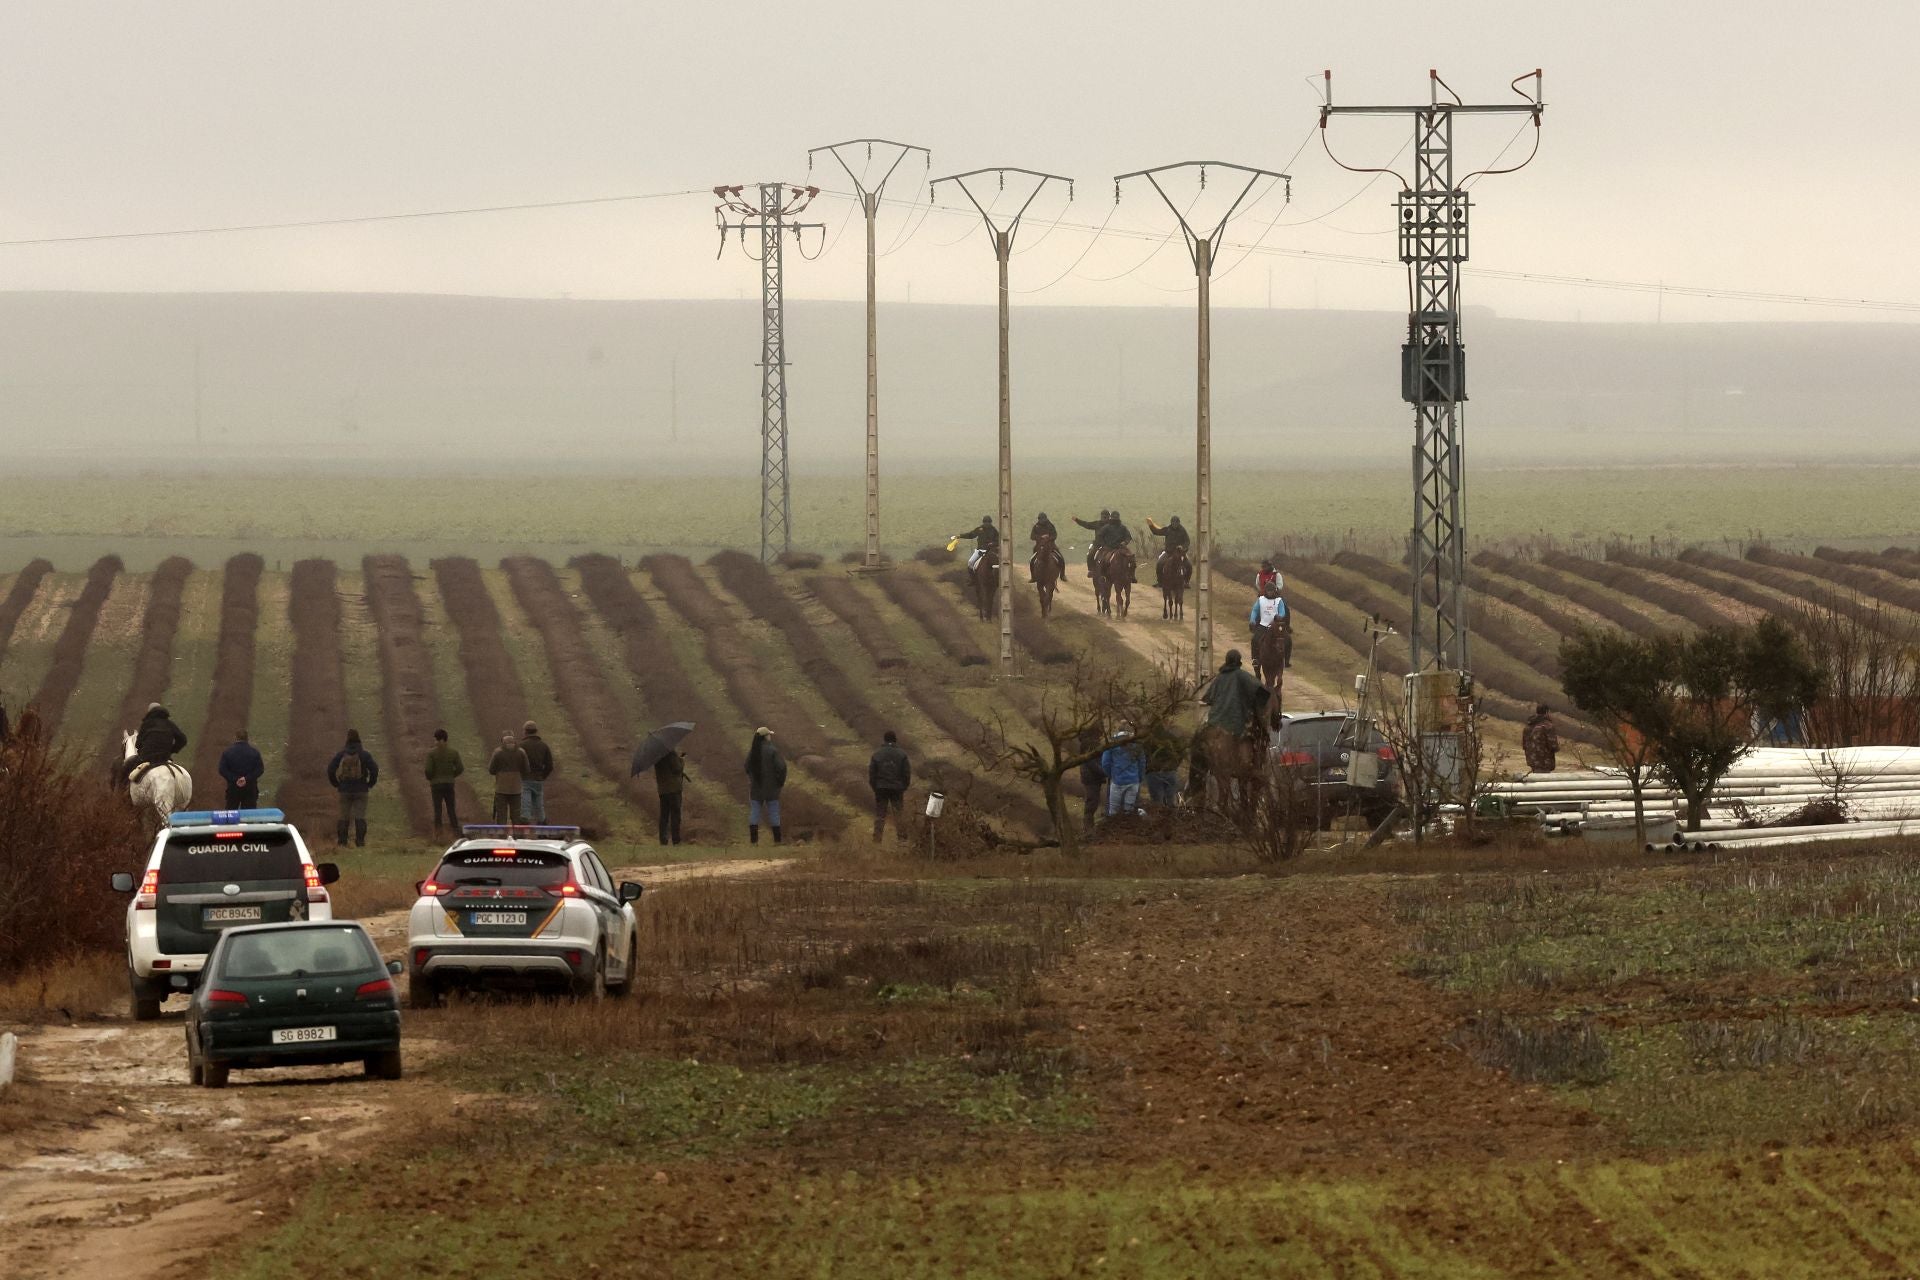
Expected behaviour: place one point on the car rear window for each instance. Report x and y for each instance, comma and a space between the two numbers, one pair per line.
1303, 734
298, 952
203, 857
533, 868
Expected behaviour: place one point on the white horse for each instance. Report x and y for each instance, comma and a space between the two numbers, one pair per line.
165, 787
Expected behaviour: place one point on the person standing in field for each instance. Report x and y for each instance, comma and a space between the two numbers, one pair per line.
670, 779
1125, 765
533, 793
352, 773
1163, 768
889, 773
240, 768
444, 767
509, 769
766, 778
1092, 776
1540, 741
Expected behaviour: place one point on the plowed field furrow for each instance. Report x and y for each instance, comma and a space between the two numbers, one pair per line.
493, 686
19, 596
1719, 584
580, 683
1685, 607
1795, 587
153, 662
1483, 625
1899, 566
1555, 617
837, 592
1033, 634
1615, 611
927, 605
757, 698
70, 650
1872, 583
409, 698
231, 701
317, 719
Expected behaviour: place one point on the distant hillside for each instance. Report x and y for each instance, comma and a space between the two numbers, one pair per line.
454, 381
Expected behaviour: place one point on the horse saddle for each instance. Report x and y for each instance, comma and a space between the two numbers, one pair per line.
146, 767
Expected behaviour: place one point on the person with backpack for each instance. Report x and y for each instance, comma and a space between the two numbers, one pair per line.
509, 769
352, 773
240, 768
444, 767
533, 784
889, 774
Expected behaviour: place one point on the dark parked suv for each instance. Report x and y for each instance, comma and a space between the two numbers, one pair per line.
1350, 764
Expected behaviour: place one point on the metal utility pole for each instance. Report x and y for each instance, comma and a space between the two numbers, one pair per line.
771, 217
1432, 211
1201, 249
1002, 236
870, 198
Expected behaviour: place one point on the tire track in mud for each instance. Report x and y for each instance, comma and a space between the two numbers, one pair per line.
920, 600
409, 699
493, 683
231, 699
581, 684
153, 664
759, 701
317, 713
70, 649
26, 584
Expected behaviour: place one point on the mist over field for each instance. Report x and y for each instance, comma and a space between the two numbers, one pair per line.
408, 383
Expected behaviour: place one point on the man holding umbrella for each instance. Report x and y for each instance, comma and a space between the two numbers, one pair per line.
660, 752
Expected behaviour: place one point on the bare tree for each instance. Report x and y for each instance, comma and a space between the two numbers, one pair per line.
1870, 676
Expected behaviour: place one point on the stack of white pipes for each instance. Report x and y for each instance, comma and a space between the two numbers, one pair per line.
1879, 788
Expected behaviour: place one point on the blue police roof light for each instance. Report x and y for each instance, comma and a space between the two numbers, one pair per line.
506, 831
223, 817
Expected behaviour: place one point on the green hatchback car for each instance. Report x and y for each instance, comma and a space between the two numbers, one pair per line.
296, 994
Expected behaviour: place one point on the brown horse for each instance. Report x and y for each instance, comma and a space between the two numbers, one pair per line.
985, 577
1172, 575
1272, 651
1046, 571
1113, 571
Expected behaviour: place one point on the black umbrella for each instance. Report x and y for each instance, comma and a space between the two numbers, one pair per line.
655, 746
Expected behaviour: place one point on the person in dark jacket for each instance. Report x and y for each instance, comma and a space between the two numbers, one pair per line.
1164, 752
889, 773
766, 777
670, 779
155, 741
444, 767
240, 768
1043, 528
986, 538
508, 766
1094, 526
1540, 741
1233, 698
533, 784
1092, 778
352, 773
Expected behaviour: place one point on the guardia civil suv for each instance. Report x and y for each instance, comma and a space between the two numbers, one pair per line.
521, 906
210, 870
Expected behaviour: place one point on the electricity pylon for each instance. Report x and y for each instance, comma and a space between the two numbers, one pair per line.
1002, 237
1200, 248
870, 198
1432, 211
771, 217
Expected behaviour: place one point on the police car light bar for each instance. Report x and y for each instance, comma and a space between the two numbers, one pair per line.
509, 832
223, 817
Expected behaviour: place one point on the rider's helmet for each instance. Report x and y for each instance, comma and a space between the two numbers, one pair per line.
1267, 565
1116, 514
1041, 516
986, 520
1105, 514
1173, 520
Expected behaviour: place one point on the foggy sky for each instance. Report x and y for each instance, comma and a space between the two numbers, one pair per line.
1756, 144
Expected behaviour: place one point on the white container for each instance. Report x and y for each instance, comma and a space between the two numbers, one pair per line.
936, 803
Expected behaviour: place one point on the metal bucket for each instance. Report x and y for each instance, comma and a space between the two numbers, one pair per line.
936, 804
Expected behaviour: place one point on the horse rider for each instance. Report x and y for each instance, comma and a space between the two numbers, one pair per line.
1113, 535
985, 538
1270, 611
154, 742
1268, 576
1093, 545
1175, 535
1043, 528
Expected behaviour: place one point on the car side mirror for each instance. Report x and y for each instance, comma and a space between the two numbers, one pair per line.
631, 890
393, 967
122, 882
329, 871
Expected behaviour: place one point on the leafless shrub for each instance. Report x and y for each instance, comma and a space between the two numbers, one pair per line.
1537, 1050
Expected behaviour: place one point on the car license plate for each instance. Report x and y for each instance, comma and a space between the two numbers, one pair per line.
304, 1035
225, 914
499, 917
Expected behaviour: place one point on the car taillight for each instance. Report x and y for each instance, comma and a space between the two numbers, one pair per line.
429, 889
316, 892
148, 896
1386, 754
567, 890
378, 987
220, 995
1296, 757
419, 956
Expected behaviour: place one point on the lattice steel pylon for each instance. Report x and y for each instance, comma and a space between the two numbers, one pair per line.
772, 218
1433, 216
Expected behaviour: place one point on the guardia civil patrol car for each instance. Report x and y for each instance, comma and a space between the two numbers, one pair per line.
209, 870
521, 906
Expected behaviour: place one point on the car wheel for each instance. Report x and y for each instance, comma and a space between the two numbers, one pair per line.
143, 1004
194, 1072
625, 986
213, 1073
422, 994
594, 986
384, 1066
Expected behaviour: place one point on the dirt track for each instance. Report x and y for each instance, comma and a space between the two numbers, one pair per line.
129, 1173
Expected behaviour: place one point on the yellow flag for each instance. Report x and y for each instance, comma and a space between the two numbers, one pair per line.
952, 543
